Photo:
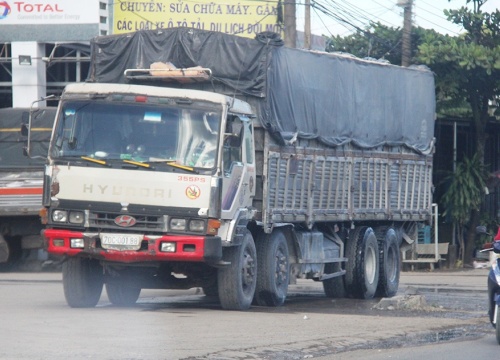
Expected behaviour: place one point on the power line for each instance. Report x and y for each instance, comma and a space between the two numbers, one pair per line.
347, 23
433, 14
351, 15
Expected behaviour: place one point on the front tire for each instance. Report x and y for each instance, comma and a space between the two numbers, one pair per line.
274, 270
390, 262
362, 268
122, 294
237, 281
497, 327
82, 281
11, 253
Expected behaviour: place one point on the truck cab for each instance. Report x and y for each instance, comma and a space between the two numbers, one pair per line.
148, 176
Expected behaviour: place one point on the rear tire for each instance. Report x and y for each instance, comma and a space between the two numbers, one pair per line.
237, 281
122, 294
362, 268
274, 270
390, 261
82, 282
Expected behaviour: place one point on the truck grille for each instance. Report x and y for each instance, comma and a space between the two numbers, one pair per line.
103, 220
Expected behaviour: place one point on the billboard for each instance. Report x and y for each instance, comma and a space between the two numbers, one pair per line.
244, 17
51, 12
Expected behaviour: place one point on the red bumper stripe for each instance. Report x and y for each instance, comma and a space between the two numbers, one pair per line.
189, 248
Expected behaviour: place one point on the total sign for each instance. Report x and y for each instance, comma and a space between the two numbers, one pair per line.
39, 12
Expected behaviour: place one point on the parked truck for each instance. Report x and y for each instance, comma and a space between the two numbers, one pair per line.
192, 158
21, 180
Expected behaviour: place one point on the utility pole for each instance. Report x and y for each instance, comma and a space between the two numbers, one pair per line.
290, 24
407, 25
307, 26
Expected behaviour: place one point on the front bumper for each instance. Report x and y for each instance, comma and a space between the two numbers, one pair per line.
207, 249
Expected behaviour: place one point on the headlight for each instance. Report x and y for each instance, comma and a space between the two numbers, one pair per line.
77, 243
197, 225
59, 216
178, 224
167, 247
76, 217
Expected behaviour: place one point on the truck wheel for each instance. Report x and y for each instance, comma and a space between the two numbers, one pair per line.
334, 287
11, 253
122, 294
362, 268
82, 282
274, 269
388, 243
497, 327
237, 281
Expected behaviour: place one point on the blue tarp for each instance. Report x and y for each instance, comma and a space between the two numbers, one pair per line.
336, 98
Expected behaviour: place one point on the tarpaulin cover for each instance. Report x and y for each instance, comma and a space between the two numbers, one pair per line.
12, 142
234, 60
335, 98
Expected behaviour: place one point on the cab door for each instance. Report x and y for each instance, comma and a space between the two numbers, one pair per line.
238, 163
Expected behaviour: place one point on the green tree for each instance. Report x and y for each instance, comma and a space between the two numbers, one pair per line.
467, 71
377, 41
465, 191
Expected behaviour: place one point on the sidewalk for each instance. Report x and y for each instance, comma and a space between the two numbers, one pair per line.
459, 279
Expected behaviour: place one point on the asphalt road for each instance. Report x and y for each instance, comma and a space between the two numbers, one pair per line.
484, 347
36, 323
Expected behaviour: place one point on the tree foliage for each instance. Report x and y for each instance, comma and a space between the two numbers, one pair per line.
467, 71
464, 193
466, 67
376, 41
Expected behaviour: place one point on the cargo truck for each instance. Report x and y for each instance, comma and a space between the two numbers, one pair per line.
21, 180
193, 158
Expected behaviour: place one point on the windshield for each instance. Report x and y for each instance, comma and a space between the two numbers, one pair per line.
138, 131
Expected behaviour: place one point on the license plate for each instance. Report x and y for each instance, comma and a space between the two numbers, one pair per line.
121, 241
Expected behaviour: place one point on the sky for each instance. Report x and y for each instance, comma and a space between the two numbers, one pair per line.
357, 13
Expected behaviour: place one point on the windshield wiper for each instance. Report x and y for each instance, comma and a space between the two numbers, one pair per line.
100, 162
187, 168
138, 163
173, 164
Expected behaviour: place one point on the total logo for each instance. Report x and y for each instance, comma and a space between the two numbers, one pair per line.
4, 9
27, 8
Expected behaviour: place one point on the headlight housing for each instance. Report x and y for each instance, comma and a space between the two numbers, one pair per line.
76, 217
178, 224
197, 225
65, 216
60, 216
188, 225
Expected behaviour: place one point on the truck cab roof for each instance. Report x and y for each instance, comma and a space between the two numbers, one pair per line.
235, 105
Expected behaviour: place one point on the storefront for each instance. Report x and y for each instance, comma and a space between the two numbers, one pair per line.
44, 45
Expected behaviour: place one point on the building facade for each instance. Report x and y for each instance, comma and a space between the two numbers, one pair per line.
45, 44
